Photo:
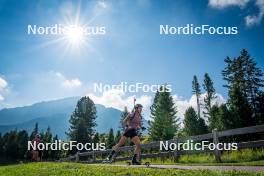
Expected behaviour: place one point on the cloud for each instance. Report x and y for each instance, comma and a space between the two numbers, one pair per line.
226, 3
3, 84
183, 104
116, 98
250, 20
3, 88
1, 98
68, 83
72, 83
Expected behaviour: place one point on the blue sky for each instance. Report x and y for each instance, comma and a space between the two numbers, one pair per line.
132, 50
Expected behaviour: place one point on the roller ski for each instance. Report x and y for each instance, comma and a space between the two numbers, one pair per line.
110, 159
134, 161
147, 164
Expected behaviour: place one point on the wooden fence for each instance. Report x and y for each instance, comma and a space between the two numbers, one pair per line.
213, 137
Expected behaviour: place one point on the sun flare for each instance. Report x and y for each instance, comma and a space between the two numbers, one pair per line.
74, 35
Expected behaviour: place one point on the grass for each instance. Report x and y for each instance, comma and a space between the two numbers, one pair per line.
72, 169
245, 157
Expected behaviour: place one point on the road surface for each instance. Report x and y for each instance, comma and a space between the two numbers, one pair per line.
184, 167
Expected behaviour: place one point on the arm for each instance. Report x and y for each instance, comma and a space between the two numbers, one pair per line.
126, 119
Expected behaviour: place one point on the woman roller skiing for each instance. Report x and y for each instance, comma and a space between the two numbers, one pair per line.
133, 122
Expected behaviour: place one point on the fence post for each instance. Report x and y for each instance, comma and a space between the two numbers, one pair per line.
94, 157
77, 157
176, 152
217, 153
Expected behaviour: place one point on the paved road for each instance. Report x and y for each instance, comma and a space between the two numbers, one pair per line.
183, 167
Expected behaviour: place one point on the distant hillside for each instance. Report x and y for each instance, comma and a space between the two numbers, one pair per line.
55, 114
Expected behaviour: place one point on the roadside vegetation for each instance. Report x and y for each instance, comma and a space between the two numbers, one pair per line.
69, 169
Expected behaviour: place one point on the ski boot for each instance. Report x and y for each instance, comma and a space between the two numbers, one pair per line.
135, 161
110, 158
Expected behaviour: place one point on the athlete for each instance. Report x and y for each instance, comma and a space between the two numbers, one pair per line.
133, 122
36, 154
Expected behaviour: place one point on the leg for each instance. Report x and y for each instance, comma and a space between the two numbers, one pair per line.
121, 142
136, 141
135, 159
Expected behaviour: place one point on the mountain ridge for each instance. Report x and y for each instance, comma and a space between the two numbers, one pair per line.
54, 114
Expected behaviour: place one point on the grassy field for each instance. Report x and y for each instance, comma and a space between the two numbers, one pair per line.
71, 169
245, 157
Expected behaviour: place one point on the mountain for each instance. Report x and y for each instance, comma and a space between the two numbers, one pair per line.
54, 114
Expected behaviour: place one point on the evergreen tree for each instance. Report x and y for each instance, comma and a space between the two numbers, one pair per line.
193, 125
190, 122
244, 82
210, 94
214, 120
221, 118
102, 138
163, 113
82, 121
110, 139
123, 116
96, 138
260, 108
34, 132
10, 146
240, 108
197, 91
1, 146
118, 136
55, 154
202, 127
153, 107
47, 138
22, 140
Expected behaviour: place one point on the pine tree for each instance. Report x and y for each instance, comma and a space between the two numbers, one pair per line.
260, 108
244, 82
96, 138
221, 118
22, 140
202, 127
34, 132
240, 108
47, 138
102, 138
163, 113
190, 122
55, 154
1, 145
210, 94
110, 139
48, 135
197, 91
82, 121
154, 105
118, 136
10, 146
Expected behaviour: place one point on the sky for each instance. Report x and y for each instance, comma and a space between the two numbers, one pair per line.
36, 68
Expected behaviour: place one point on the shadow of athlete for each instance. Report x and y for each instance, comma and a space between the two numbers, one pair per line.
133, 123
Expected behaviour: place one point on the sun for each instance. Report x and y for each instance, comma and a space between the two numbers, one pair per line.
74, 35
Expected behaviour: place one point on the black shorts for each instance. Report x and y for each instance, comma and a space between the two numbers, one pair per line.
130, 133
